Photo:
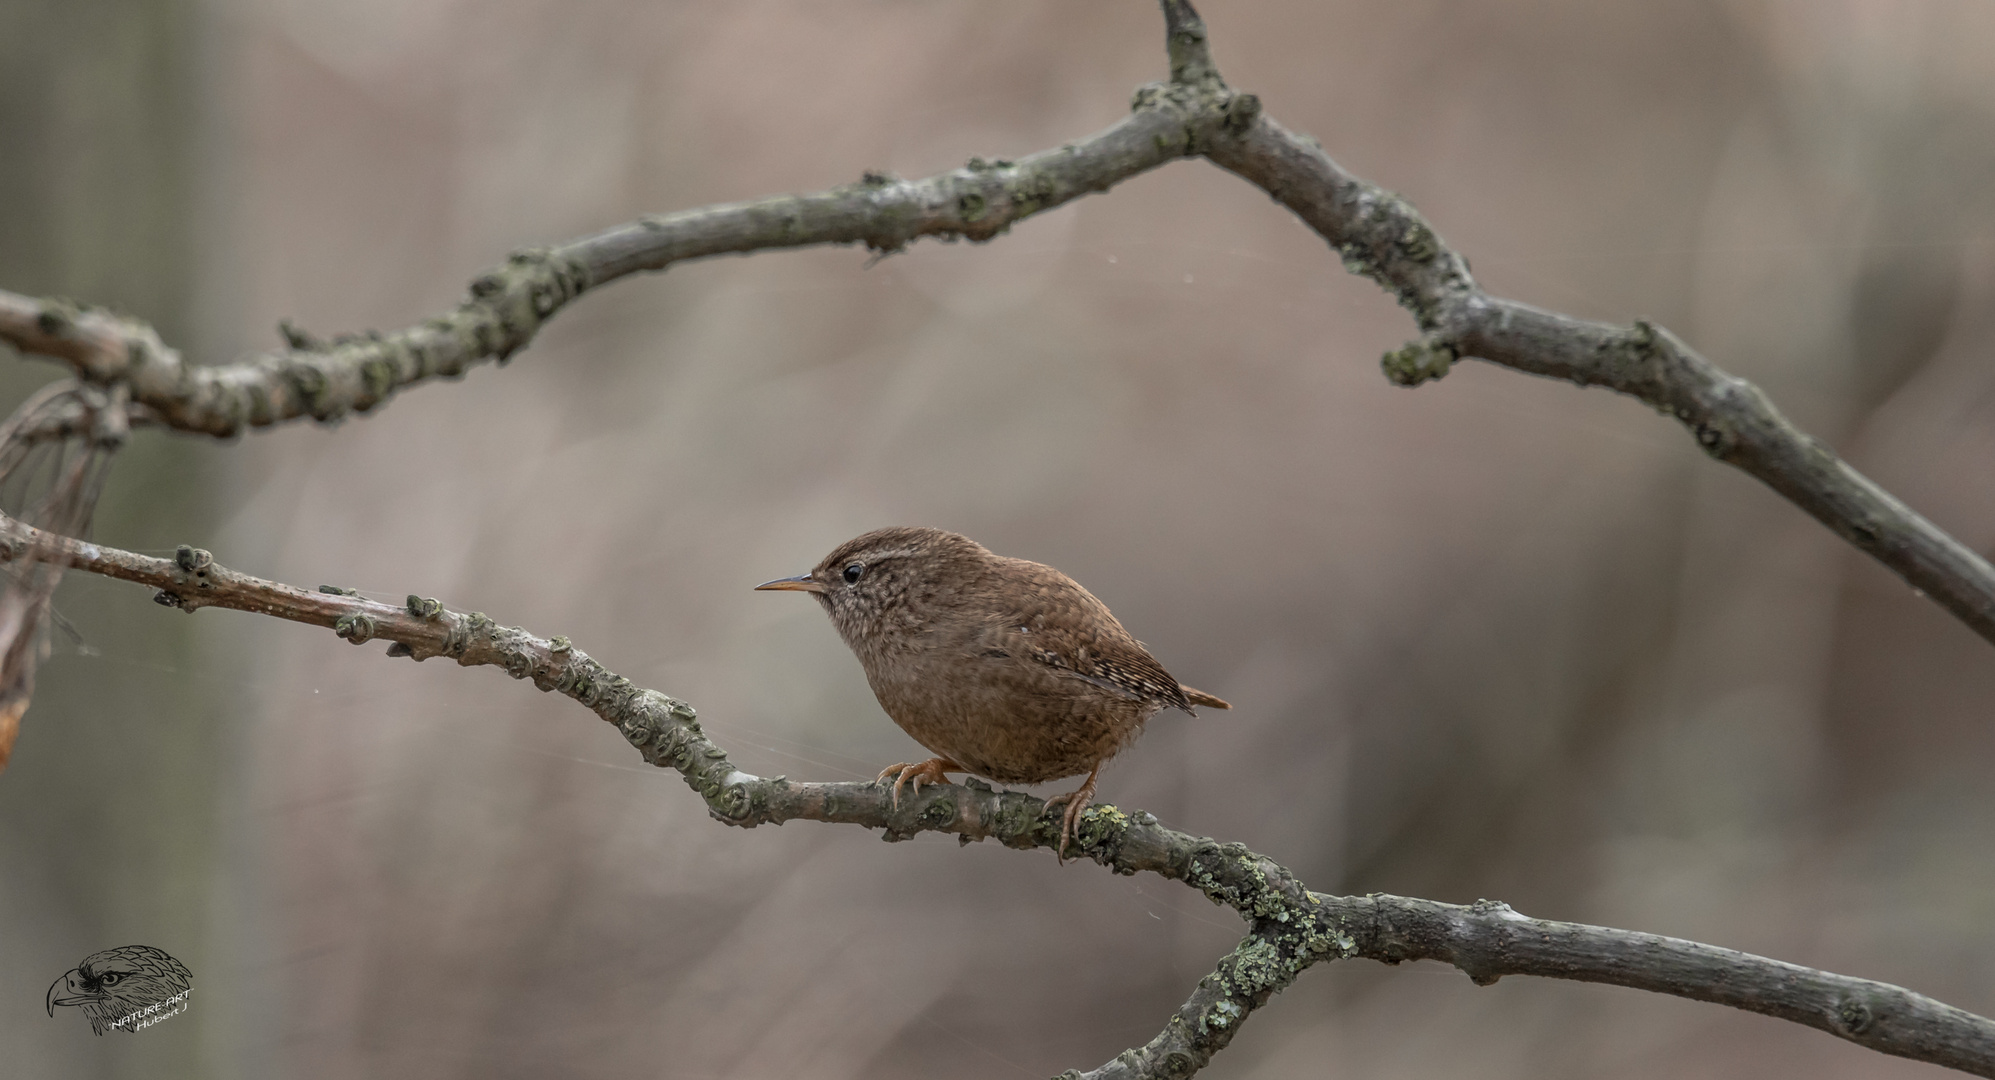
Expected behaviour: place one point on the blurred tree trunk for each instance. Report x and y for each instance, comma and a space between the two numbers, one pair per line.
110, 803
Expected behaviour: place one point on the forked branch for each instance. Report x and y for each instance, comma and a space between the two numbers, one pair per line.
1376, 233
1289, 927
1194, 114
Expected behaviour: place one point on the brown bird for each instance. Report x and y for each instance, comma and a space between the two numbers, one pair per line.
1002, 668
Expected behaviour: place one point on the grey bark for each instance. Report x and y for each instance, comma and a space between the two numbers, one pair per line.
1376, 233
1195, 114
1290, 928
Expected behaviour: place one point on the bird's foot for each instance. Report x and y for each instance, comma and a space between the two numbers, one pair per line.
930, 771
1076, 801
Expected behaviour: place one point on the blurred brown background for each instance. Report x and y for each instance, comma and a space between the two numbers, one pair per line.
1496, 637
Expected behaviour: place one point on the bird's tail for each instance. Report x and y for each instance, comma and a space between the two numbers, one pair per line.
1200, 697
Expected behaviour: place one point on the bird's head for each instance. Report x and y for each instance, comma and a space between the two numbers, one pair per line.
114, 982
887, 576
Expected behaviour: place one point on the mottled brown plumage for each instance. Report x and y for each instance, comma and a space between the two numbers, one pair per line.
1003, 668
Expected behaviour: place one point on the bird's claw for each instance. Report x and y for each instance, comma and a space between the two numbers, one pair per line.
934, 771
1076, 802
1067, 820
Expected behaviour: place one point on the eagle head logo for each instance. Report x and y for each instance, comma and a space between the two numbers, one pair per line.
124, 989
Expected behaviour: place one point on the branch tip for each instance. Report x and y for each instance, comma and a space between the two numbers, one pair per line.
1417, 362
1185, 41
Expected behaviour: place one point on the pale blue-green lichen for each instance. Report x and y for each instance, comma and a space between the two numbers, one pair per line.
1223, 1014
1259, 967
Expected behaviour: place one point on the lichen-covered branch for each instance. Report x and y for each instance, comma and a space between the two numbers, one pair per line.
1382, 237
322, 380
327, 380
1488, 940
1385, 239
1377, 234
93, 341
1194, 114
1289, 927
1244, 980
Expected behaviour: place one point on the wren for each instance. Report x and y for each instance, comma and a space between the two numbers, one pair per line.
1001, 668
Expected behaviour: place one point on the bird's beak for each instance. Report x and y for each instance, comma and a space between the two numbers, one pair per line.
800, 583
68, 981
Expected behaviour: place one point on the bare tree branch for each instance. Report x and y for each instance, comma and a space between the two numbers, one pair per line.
1195, 114
328, 380
1377, 234
1385, 239
1488, 940
322, 380
1290, 928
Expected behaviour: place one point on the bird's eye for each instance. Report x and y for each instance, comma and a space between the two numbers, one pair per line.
852, 573
110, 978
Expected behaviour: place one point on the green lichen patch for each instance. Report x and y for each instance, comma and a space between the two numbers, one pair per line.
1100, 827
1229, 874
1417, 240
1240, 112
1259, 968
1222, 1015
1417, 362
939, 812
1017, 824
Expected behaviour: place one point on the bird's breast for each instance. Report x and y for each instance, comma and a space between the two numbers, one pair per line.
1003, 714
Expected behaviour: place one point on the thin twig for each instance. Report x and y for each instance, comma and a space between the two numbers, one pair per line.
92, 423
